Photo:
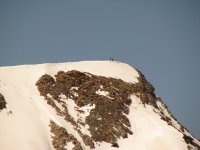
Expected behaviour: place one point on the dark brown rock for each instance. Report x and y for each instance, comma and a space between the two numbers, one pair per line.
2, 102
61, 138
106, 121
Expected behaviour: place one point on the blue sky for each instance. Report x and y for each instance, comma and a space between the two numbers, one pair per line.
161, 38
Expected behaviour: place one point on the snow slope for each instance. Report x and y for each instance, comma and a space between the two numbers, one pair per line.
24, 125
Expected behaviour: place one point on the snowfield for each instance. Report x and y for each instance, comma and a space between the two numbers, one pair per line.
24, 124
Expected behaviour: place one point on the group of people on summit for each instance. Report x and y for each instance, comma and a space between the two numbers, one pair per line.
111, 59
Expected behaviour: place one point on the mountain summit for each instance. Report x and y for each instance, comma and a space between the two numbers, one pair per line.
100, 105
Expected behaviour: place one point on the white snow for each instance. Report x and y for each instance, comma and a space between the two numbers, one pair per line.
102, 68
150, 128
103, 93
69, 145
27, 128
71, 108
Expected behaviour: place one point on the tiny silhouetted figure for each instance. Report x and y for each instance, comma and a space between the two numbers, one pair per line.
111, 59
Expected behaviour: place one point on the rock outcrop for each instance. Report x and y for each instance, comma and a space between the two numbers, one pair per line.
2, 102
111, 98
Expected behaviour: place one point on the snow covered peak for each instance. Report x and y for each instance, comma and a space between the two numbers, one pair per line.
85, 105
102, 68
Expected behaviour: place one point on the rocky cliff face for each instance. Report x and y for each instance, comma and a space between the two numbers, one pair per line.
91, 111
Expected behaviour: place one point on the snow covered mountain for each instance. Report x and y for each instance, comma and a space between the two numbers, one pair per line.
101, 105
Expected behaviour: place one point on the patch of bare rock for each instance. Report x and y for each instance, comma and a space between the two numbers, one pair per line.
2, 102
108, 120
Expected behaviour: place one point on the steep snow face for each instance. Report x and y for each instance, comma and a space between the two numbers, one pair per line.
153, 131
76, 112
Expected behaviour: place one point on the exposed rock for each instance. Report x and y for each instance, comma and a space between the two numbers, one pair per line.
167, 119
88, 141
2, 102
61, 138
145, 90
189, 141
107, 120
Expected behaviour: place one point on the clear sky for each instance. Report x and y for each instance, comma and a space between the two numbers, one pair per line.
160, 37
